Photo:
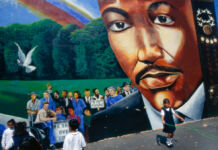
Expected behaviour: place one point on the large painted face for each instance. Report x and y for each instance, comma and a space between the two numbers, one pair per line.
156, 46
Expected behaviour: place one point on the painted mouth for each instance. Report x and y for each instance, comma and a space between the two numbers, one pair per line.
156, 77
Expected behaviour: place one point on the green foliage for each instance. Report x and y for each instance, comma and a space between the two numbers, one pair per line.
107, 65
2, 61
94, 57
63, 53
10, 56
42, 57
81, 62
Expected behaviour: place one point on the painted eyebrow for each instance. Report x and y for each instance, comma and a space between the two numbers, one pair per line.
106, 2
155, 6
116, 10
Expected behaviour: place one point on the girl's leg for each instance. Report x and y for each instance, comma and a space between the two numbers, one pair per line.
171, 138
168, 139
170, 135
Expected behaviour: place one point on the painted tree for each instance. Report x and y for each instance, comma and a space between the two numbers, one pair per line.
63, 53
107, 65
10, 57
2, 44
42, 57
80, 44
93, 57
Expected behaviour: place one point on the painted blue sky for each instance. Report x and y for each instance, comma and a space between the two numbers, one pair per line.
12, 12
89, 6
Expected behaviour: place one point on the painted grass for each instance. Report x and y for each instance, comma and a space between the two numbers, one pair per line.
14, 94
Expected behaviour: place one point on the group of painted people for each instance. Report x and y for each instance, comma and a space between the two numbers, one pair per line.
70, 105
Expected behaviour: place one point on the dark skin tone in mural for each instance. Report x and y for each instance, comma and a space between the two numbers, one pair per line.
156, 46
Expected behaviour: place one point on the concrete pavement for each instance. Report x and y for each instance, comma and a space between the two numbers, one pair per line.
199, 135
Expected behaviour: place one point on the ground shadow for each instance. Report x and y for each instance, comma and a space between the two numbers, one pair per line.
161, 140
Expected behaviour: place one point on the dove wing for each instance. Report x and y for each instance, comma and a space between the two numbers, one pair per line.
30, 69
28, 59
21, 55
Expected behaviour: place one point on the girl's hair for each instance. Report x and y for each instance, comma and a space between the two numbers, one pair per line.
166, 101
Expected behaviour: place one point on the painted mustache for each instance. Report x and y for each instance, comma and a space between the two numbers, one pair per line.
161, 71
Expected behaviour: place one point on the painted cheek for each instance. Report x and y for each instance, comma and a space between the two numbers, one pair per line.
171, 40
125, 49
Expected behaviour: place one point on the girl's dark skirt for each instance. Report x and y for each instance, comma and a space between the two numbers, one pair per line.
169, 128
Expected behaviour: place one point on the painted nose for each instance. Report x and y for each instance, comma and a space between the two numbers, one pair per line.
149, 50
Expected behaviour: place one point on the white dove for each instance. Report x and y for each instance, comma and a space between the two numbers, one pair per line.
25, 61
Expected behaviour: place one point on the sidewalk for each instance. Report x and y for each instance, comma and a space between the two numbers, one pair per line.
199, 135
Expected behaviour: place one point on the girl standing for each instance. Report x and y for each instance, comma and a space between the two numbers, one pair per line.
167, 119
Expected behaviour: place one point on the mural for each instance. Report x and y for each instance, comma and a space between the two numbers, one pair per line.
161, 57
167, 49
61, 36
64, 47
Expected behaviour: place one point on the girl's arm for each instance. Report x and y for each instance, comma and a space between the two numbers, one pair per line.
176, 115
162, 118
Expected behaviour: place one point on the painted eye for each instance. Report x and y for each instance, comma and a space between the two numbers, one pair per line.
164, 20
119, 26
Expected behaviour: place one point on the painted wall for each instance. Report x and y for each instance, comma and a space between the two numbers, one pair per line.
168, 49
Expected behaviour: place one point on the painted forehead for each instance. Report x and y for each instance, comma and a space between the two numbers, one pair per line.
178, 3
105, 2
